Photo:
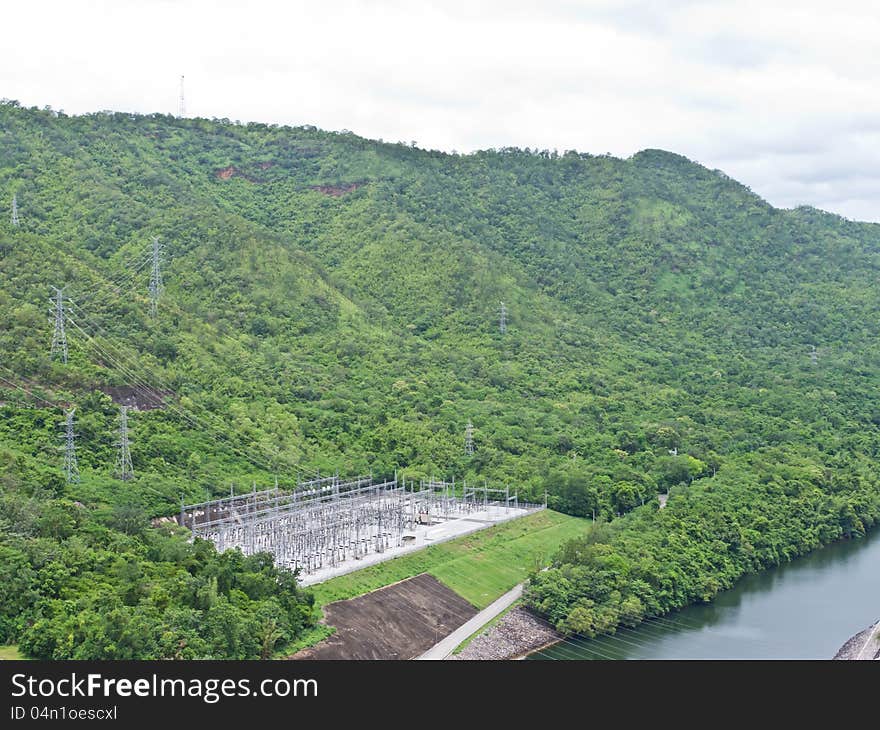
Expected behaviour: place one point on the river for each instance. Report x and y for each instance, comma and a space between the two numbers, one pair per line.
803, 610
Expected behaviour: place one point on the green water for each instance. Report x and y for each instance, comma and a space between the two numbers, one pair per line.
804, 610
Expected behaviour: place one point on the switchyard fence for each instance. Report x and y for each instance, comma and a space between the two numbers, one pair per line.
327, 521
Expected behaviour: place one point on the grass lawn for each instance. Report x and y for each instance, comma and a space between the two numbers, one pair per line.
10, 652
309, 638
480, 567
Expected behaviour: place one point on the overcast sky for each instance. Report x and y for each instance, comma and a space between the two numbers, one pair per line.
781, 95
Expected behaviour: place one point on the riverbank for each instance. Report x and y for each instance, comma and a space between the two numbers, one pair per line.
863, 645
791, 611
516, 634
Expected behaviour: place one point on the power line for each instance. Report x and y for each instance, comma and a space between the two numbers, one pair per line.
71, 470
274, 454
612, 641
133, 266
12, 384
124, 470
604, 641
101, 298
59, 337
181, 102
118, 359
156, 286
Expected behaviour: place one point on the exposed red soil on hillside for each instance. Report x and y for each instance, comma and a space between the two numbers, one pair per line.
227, 173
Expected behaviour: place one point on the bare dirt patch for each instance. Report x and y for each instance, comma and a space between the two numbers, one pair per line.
400, 621
227, 173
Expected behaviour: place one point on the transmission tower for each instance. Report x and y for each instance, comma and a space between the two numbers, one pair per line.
156, 285
503, 318
15, 210
71, 470
124, 470
814, 355
59, 337
469, 438
181, 103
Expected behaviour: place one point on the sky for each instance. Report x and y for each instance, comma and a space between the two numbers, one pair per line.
780, 95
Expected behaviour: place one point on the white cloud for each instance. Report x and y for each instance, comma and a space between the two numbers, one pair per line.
780, 95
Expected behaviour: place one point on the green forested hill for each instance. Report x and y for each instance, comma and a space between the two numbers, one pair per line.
332, 303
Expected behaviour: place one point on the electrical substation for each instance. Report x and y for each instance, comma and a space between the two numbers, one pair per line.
329, 526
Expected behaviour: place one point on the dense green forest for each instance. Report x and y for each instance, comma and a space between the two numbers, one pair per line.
332, 303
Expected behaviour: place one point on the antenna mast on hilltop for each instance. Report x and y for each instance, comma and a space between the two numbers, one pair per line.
15, 210
124, 469
181, 104
156, 285
59, 336
71, 470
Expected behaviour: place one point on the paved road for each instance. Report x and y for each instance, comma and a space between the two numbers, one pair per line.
869, 648
445, 647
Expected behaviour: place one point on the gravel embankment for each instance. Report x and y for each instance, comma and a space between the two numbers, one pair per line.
851, 649
517, 633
